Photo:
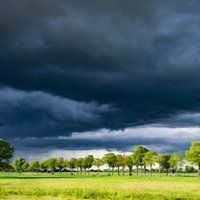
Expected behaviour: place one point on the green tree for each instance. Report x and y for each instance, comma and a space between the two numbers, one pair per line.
6, 153
60, 163
149, 159
79, 164
193, 155
138, 157
120, 163
175, 161
165, 162
189, 169
44, 165
25, 166
129, 163
87, 162
34, 166
97, 162
51, 164
159, 160
20, 164
72, 164
65, 164
111, 160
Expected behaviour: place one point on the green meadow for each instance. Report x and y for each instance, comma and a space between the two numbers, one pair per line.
64, 186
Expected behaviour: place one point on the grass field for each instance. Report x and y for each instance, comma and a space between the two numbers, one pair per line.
33, 186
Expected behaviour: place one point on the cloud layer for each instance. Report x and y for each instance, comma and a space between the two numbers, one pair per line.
37, 114
89, 65
160, 139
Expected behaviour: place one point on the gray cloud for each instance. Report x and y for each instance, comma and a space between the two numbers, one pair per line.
136, 60
160, 139
38, 114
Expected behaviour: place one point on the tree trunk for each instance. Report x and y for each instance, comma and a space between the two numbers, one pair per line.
137, 169
77, 170
130, 171
123, 171
199, 171
159, 171
145, 169
113, 171
98, 169
118, 170
151, 170
176, 171
72, 171
141, 170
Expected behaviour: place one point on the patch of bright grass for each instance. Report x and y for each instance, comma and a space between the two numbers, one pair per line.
64, 186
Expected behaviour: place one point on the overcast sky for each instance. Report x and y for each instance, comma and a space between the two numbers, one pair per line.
99, 75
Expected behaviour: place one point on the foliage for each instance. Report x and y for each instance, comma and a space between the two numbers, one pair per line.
193, 155
25, 166
110, 159
176, 160
159, 160
20, 164
88, 161
141, 157
72, 163
60, 163
138, 157
79, 164
34, 165
6, 153
165, 161
190, 169
44, 165
49, 164
129, 163
120, 160
149, 159
139, 154
97, 162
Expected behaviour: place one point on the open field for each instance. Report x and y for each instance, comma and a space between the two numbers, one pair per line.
63, 186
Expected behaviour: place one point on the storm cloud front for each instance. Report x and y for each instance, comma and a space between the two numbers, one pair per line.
99, 75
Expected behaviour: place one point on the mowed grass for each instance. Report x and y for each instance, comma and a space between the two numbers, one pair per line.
64, 186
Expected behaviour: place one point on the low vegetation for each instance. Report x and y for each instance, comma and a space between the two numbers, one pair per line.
65, 186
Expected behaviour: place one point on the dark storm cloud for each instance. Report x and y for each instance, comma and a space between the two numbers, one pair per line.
140, 59
37, 114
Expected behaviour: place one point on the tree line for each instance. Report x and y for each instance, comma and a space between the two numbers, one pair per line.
142, 160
